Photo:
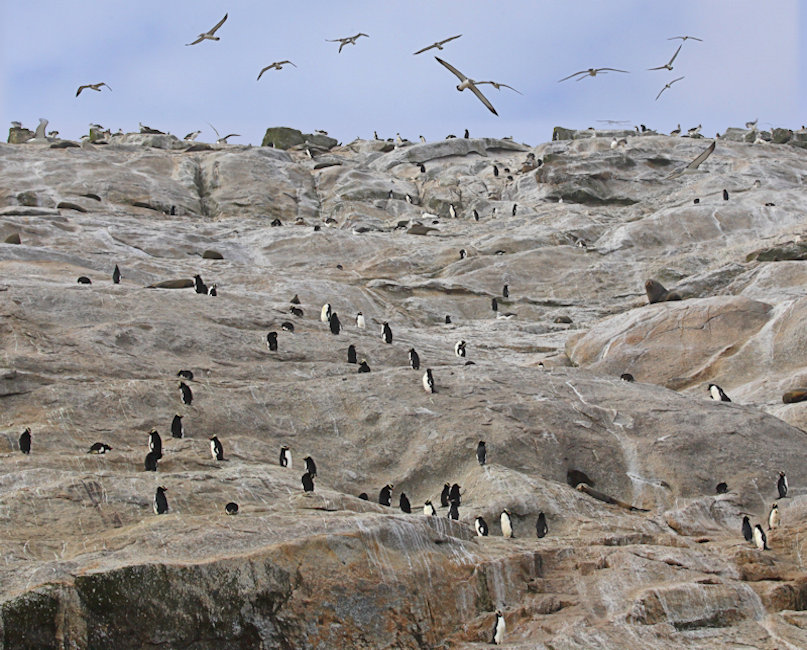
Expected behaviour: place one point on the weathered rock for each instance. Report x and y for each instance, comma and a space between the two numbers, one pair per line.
18, 135
13, 238
795, 395
209, 254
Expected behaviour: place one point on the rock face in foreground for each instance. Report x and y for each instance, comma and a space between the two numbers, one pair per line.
364, 228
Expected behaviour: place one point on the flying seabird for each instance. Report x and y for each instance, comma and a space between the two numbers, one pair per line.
224, 139
668, 65
277, 65
683, 38
348, 40
497, 85
39, 134
92, 86
667, 86
591, 72
691, 167
209, 35
438, 44
468, 83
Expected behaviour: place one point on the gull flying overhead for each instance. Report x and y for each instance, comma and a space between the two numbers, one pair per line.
691, 167
348, 40
668, 65
467, 83
210, 34
683, 38
277, 65
92, 87
591, 72
438, 44
667, 86
497, 85
224, 139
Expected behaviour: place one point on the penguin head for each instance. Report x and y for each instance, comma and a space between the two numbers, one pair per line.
774, 506
162, 489
481, 443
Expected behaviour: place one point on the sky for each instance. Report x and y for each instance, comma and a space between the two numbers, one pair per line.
750, 64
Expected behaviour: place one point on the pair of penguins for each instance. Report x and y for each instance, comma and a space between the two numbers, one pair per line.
757, 535
177, 431
160, 504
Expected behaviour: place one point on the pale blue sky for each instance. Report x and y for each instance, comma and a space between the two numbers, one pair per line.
748, 65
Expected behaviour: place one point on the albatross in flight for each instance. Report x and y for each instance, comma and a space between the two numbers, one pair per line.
683, 38
210, 34
467, 83
497, 85
92, 87
693, 166
348, 40
277, 65
668, 65
438, 44
667, 86
591, 72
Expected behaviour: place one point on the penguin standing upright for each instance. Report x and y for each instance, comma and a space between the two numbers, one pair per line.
454, 494
271, 341
494, 304
116, 275
285, 456
151, 462
541, 528
414, 359
308, 482
444, 495
481, 527
781, 485
200, 286
481, 452
334, 323
748, 533
760, 541
160, 502
386, 332
351, 353
325, 313
428, 381
385, 495
428, 509
717, 393
403, 503
498, 628
310, 465
25, 441
177, 430
216, 448
773, 517
186, 393
459, 348
453, 510
360, 323
506, 523
156, 443
505, 291
186, 374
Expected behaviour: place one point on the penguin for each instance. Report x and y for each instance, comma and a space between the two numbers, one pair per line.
459, 348
498, 629
467, 134
295, 300
444, 495
363, 367
285, 457
386, 332
414, 359
151, 462
428, 509
216, 448
481, 452
422, 168
541, 528
760, 541
271, 341
385, 495
505, 291
448, 319
364, 496
463, 253
453, 510
185, 374
231, 508
626, 376
308, 482
747, 532
781, 485
717, 393
721, 488
310, 465
481, 527
83, 279
296, 311
156, 443
214, 292
454, 493
494, 304
515, 207
360, 323
25, 441
116, 275
351, 353
325, 313
725, 195
495, 170
507, 523
403, 503
160, 502
696, 201
177, 431
99, 448
287, 326
428, 381
200, 286
187, 395
773, 517
452, 211
334, 323
476, 215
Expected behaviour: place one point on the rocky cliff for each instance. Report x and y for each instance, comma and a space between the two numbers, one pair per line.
573, 228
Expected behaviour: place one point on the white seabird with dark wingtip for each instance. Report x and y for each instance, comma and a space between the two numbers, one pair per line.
497, 85
223, 140
348, 40
668, 65
210, 34
666, 86
693, 166
592, 72
92, 87
466, 82
438, 44
277, 65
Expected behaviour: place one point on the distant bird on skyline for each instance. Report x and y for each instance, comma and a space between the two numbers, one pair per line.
277, 65
667, 86
592, 72
467, 83
92, 87
347, 40
438, 44
209, 35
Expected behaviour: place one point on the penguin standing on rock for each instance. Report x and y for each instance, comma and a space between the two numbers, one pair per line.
386, 332
444, 495
481, 452
459, 348
186, 374
351, 353
360, 323
505, 291
285, 457
498, 628
25, 441
177, 430
414, 359
155, 443
151, 462
310, 465
781, 485
494, 304
541, 528
308, 482
428, 509
187, 394
385, 495
334, 323
760, 541
454, 510
717, 393
363, 367
160, 502
200, 286
325, 313
216, 448
116, 276
773, 517
271, 341
481, 527
454, 493
403, 503
506, 523
428, 381
748, 533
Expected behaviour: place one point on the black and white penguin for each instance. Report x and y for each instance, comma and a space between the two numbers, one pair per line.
214, 292
99, 448
748, 533
494, 304
296, 311
403, 503
696, 201
155, 443
459, 348
721, 488
151, 462
200, 286
83, 279
717, 393
385, 495
495, 170
725, 195
325, 313
760, 541
515, 207
310, 465
360, 322
506, 523
428, 509
285, 457
231, 508
271, 341
25, 441
453, 510
160, 502
116, 275
475, 215
414, 359
541, 528
334, 323
467, 134
448, 319
499, 628
481, 527
444, 495
481, 452
454, 493
216, 448
626, 376
428, 381
773, 517
452, 211
187, 394
351, 353
505, 291
781, 485
177, 430
287, 326
463, 253
185, 374
363, 367
386, 332
308, 482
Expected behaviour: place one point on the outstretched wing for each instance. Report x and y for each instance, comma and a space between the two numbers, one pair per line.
695, 163
218, 24
482, 98
456, 72
573, 75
